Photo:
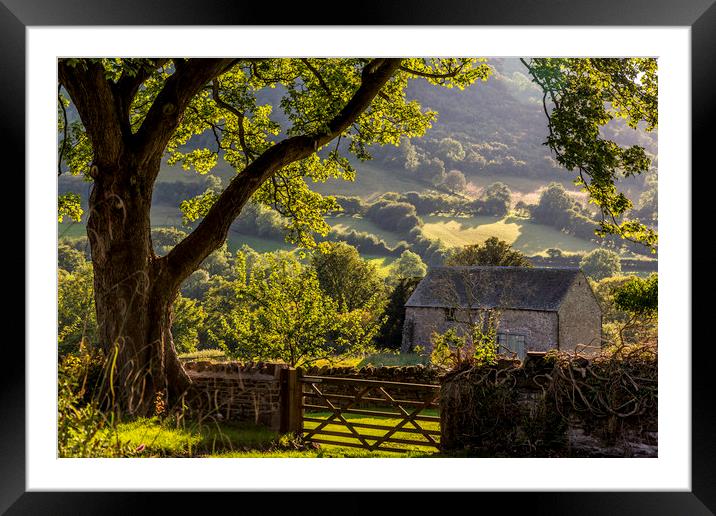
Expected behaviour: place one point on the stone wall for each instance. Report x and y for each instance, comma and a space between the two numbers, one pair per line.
513, 414
230, 391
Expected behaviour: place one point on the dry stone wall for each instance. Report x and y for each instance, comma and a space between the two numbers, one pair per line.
516, 417
230, 391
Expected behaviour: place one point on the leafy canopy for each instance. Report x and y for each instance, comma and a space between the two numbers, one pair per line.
232, 120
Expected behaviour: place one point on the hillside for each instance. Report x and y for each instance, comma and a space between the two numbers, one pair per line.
500, 126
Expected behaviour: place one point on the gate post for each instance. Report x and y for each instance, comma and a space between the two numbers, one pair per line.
291, 402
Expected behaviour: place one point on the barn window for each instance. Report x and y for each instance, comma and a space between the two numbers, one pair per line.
510, 343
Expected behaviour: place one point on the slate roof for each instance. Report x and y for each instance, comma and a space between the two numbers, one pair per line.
519, 288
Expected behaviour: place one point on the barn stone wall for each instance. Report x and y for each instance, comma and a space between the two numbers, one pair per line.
539, 328
580, 318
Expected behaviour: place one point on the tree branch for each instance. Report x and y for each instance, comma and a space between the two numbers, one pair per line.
65, 131
248, 155
318, 76
211, 232
128, 84
94, 99
165, 114
447, 75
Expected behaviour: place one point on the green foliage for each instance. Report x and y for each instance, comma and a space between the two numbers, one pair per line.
493, 251
231, 122
69, 258
455, 181
83, 430
189, 317
451, 149
495, 200
196, 285
600, 264
164, 238
281, 313
586, 94
69, 205
473, 343
345, 276
76, 318
409, 265
638, 295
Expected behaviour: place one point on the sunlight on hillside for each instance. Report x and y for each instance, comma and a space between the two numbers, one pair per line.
523, 235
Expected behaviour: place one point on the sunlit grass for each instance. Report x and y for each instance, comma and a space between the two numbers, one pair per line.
154, 438
372, 435
523, 235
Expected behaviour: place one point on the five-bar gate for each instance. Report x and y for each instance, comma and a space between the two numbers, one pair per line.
332, 410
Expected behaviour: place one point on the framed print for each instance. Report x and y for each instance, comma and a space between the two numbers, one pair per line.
40, 44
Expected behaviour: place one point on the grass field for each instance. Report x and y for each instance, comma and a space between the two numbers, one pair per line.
371, 181
152, 438
523, 235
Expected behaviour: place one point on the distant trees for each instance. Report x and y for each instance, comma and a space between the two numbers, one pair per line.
455, 181
451, 150
431, 170
400, 217
491, 252
600, 264
351, 205
557, 209
496, 200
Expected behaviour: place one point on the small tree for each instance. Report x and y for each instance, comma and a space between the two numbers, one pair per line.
600, 264
409, 265
497, 199
475, 344
283, 314
638, 298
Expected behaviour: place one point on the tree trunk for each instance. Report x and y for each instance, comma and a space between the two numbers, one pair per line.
133, 292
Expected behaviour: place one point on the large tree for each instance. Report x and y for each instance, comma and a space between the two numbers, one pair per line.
135, 112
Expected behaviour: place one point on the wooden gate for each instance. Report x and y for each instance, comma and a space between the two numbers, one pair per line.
328, 410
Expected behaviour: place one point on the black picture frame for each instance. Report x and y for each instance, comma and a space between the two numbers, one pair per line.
699, 15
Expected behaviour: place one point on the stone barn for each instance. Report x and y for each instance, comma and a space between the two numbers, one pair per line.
537, 309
